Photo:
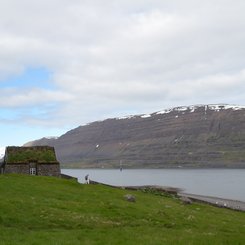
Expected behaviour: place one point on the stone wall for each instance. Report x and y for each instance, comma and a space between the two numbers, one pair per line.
44, 169
17, 169
48, 169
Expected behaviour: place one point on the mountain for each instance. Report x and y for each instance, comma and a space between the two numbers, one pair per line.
43, 141
187, 136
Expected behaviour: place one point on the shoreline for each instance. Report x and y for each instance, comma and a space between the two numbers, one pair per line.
157, 168
215, 201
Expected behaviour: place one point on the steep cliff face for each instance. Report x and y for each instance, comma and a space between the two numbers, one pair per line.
194, 136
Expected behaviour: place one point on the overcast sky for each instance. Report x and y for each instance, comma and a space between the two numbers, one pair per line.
66, 63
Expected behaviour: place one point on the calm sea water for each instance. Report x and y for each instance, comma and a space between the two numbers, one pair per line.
224, 183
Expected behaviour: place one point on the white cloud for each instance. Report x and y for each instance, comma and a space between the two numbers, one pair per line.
14, 97
114, 57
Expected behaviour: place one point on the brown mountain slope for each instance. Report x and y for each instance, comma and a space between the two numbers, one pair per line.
195, 136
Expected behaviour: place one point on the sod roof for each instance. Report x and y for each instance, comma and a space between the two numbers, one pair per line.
39, 154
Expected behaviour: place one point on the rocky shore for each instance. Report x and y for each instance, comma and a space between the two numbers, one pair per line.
219, 202
216, 201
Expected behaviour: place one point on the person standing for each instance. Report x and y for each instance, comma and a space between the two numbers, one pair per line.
87, 179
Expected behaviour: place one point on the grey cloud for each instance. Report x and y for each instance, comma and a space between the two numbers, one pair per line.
112, 57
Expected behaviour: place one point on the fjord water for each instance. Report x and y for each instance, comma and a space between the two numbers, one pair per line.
223, 183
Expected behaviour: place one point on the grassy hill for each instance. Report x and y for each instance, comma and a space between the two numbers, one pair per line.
46, 210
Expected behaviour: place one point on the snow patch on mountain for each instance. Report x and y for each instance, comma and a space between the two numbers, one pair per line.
145, 116
125, 117
182, 110
225, 107
164, 111
213, 107
133, 116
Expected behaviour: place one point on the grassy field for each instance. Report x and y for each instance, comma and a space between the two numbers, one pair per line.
46, 210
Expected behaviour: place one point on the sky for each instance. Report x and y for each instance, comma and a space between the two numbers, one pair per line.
67, 63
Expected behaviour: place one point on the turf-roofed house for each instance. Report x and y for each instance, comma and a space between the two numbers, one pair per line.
36, 160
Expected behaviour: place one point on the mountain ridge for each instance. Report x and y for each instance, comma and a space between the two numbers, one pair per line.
185, 136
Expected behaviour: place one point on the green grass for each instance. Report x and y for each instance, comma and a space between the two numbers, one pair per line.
25, 154
46, 210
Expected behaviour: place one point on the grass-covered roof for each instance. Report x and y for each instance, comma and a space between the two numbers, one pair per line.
41, 154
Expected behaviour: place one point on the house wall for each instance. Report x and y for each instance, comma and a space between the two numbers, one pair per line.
48, 169
17, 168
42, 169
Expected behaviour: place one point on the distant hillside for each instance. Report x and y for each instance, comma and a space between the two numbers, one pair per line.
193, 136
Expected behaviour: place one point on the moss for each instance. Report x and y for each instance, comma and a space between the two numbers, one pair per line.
28, 154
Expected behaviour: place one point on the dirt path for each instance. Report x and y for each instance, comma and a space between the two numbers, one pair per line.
220, 202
